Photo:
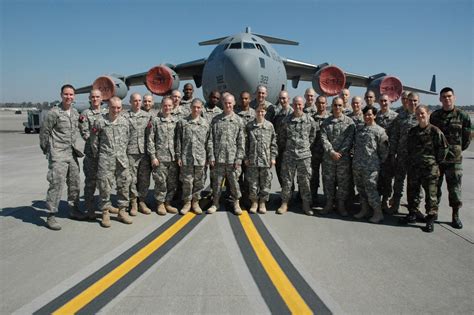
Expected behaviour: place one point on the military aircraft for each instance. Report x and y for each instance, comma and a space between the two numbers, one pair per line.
243, 61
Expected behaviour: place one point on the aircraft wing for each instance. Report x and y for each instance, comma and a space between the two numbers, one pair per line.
185, 71
159, 80
302, 71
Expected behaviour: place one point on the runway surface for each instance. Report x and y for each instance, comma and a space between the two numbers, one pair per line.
220, 263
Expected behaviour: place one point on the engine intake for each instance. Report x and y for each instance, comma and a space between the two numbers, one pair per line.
110, 86
329, 81
161, 80
389, 85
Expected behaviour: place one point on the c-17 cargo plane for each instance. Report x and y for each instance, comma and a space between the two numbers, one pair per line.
243, 61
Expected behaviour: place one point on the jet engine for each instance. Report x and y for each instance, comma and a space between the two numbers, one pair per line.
110, 86
389, 85
329, 81
161, 80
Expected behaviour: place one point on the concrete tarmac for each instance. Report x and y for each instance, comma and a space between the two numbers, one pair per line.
353, 266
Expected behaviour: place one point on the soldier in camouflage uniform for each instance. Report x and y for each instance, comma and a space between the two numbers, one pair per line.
346, 96
309, 106
385, 118
298, 132
285, 111
398, 149
187, 99
140, 166
456, 126
191, 144
109, 140
179, 111
404, 100
148, 104
370, 151
369, 98
247, 114
356, 115
244, 110
261, 98
337, 134
225, 153
90, 164
211, 108
161, 148
58, 142
427, 148
261, 152
317, 149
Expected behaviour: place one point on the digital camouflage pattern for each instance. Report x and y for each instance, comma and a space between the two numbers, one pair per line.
337, 135
58, 136
161, 146
109, 142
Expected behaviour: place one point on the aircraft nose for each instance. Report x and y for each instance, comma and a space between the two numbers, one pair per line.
241, 71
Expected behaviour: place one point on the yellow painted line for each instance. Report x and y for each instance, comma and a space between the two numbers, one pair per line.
285, 288
109, 279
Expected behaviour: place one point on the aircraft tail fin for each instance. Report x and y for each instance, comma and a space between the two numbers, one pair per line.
433, 83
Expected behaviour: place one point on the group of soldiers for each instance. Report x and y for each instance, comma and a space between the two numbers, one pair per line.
356, 147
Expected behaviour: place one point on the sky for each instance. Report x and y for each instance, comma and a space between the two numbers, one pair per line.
46, 43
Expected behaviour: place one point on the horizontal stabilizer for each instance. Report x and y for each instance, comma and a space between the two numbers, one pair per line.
275, 40
212, 41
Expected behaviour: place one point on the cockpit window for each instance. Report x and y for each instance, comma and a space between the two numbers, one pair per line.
236, 45
226, 46
263, 49
266, 50
249, 45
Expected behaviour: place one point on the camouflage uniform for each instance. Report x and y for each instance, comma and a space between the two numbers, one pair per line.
246, 115
298, 134
180, 112
87, 120
109, 142
358, 119
209, 113
139, 160
272, 110
426, 148
398, 148
370, 151
261, 149
456, 126
279, 129
385, 120
161, 146
186, 104
191, 144
226, 147
58, 136
317, 152
337, 134
310, 110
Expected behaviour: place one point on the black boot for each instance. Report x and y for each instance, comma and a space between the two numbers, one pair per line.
456, 223
429, 223
409, 218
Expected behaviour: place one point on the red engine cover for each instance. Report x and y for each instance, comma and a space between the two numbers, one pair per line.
106, 85
391, 86
329, 81
159, 80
